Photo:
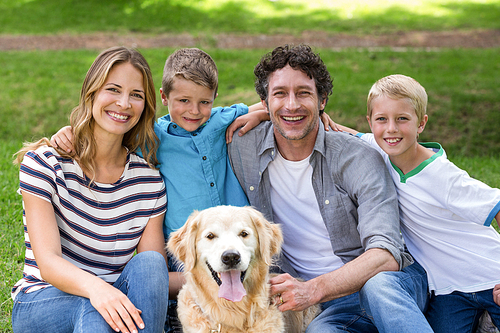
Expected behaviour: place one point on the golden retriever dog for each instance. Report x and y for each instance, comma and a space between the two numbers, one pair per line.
226, 252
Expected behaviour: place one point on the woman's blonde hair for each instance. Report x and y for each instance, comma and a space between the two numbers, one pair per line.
141, 136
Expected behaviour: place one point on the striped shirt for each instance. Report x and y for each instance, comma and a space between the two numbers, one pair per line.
99, 226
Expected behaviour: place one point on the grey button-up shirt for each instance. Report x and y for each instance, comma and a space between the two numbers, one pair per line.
355, 193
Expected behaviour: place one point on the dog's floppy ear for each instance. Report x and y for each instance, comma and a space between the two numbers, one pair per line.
270, 236
182, 243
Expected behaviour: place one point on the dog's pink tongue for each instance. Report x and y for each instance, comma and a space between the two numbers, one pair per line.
231, 288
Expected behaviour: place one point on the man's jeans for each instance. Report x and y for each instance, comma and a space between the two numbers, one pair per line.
460, 312
397, 301
144, 280
388, 302
342, 315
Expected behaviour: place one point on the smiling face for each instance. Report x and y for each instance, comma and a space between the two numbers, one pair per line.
395, 127
226, 250
189, 104
119, 103
293, 103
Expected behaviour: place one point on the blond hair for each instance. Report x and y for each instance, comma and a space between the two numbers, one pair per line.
193, 65
141, 136
399, 86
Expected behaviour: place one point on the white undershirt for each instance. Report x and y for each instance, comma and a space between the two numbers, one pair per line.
306, 242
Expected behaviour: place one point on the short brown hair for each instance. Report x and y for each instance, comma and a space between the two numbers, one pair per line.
192, 64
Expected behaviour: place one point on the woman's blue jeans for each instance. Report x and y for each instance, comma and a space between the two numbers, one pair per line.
459, 312
144, 280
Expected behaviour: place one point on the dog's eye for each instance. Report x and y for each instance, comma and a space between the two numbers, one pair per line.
210, 236
243, 234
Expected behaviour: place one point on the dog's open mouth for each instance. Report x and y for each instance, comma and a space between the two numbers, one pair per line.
230, 284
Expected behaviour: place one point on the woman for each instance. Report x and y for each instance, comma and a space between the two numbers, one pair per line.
86, 215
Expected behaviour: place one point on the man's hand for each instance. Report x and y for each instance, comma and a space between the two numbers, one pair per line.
63, 139
496, 294
290, 293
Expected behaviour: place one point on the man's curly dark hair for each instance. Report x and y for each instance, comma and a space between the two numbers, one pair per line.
299, 57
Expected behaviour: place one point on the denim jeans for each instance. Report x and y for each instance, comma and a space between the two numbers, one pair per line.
397, 301
144, 280
342, 315
460, 312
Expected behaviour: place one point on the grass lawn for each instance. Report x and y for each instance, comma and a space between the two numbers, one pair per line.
38, 89
206, 17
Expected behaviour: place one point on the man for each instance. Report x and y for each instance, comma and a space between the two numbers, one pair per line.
334, 199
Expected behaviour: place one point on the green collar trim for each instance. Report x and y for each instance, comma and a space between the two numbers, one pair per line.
432, 145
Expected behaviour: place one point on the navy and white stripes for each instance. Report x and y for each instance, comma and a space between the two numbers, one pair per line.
99, 226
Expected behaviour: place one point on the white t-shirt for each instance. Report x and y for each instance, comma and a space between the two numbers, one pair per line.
306, 242
99, 226
446, 222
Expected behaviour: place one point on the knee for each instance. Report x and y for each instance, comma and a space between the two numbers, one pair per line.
150, 265
379, 283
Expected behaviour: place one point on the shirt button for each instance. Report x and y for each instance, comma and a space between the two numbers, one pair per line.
204, 158
327, 202
212, 184
252, 188
272, 153
195, 134
174, 126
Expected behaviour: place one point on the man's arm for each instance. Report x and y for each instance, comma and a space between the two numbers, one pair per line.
344, 281
362, 173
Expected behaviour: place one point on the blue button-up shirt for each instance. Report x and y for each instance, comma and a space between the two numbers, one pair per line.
195, 166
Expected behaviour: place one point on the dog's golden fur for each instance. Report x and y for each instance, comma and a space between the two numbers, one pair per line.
204, 237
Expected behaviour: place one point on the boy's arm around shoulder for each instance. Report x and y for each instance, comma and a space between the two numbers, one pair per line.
347, 129
257, 113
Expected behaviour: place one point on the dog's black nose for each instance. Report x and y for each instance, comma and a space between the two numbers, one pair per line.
231, 258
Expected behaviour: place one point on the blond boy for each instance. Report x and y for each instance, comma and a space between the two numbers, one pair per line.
445, 214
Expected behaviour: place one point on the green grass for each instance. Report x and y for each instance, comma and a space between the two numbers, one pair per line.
11, 231
202, 17
38, 89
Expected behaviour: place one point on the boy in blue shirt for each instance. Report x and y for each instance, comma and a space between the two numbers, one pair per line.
445, 214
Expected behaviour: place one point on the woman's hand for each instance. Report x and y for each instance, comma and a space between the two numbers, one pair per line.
496, 294
116, 308
111, 303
